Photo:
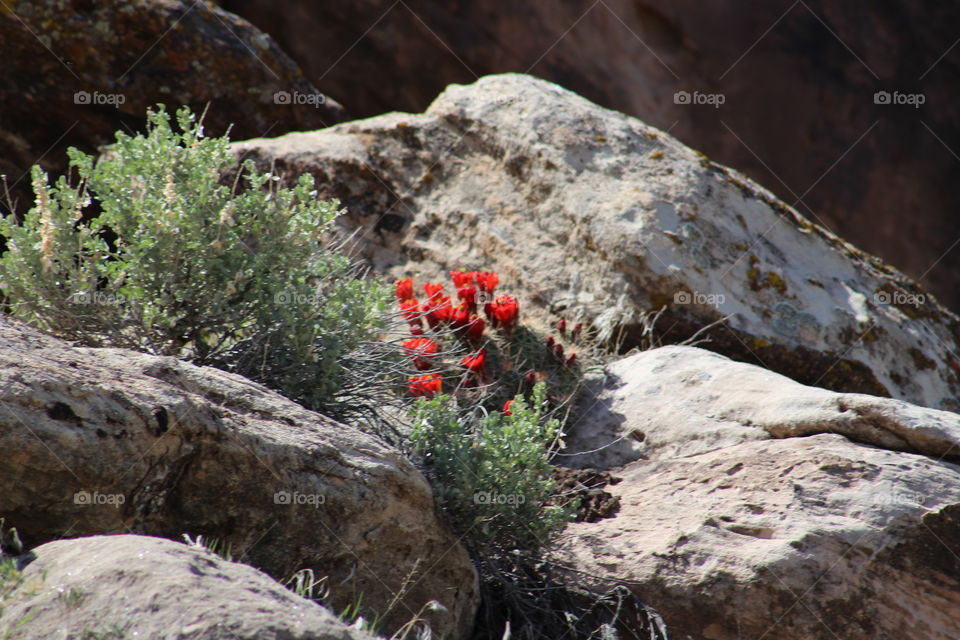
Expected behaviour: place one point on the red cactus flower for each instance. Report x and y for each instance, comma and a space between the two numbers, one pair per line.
475, 328
558, 351
462, 278
410, 309
562, 327
571, 360
550, 343
506, 408
433, 290
403, 289
491, 317
577, 328
487, 281
506, 310
425, 386
461, 316
438, 311
469, 295
421, 351
529, 379
476, 362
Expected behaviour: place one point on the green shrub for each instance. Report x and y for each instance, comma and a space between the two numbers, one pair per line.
151, 247
492, 475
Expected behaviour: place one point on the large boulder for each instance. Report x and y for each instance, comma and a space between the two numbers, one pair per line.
128, 586
112, 441
75, 73
588, 211
797, 79
752, 506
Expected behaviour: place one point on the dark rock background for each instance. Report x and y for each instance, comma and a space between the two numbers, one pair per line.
159, 51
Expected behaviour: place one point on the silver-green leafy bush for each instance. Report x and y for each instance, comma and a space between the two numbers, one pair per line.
492, 475
152, 246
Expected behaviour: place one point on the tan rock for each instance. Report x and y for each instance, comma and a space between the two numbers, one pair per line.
756, 507
112, 441
127, 586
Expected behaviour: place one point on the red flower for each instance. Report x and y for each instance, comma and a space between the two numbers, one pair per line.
487, 280
562, 326
462, 278
469, 295
426, 386
505, 310
461, 316
529, 379
558, 351
421, 351
571, 360
476, 362
438, 311
475, 328
506, 408
411, 312
577, 328
403, 289
433, 290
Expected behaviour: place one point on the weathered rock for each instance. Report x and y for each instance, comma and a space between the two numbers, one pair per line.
75, 73
112, 441
129, 586
798, 82
675, 402
590, 211
756, 507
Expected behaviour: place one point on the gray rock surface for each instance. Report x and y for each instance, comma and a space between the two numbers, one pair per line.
112, 441
587, 211
128, 586
755, 507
